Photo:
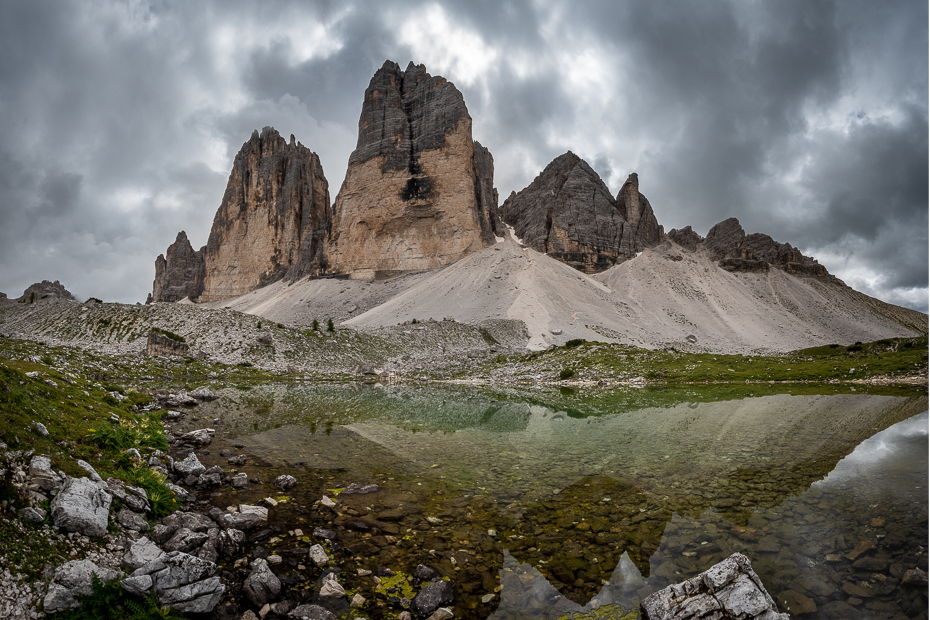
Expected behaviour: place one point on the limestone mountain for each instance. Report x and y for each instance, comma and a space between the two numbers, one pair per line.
419, 196
418, 192
734, 250
273, 219
641, 230
41, 290
180, 273
272, 223
569, 213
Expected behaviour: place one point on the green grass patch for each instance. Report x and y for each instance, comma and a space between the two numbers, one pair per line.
898, 357
27, 547
78, 415
161, 498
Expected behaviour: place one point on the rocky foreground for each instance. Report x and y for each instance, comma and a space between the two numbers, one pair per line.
229, 559
176, 560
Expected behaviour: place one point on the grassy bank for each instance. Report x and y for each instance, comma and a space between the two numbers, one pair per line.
84, 419
581, 361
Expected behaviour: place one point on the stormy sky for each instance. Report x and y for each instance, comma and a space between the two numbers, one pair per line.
807, 120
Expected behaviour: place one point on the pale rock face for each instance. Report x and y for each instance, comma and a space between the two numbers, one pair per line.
82, 506
272, 223
414, 196
274, 216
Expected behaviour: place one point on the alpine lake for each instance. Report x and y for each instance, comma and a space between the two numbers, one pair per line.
578, 503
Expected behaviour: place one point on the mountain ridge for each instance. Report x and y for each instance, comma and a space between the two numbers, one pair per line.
416, 232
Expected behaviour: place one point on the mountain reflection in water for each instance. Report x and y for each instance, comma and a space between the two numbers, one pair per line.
606, 507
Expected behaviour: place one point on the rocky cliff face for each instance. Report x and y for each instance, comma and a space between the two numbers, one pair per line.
642, 230
272, 223
569, 213
734, 250
179, 272
274, 216
489, 217
418, 192
686, 238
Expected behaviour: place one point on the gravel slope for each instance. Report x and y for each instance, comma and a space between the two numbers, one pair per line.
665, 297
657, 299
671, 293
300, 302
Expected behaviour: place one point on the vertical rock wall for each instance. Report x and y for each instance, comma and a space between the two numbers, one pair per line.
416, 193
178, 273
642, 230
273, 219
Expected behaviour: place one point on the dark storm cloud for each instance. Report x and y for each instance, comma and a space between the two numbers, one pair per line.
733, 91
806, 120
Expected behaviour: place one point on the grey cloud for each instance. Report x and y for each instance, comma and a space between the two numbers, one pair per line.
871, 176
60, 193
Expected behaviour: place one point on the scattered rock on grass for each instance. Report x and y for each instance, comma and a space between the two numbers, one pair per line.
82, 506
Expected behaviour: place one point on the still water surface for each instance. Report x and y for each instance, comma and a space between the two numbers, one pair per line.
558, 503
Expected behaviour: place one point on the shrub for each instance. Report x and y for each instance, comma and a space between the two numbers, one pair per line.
160, 496
566, 373
258, 325
329, 325
315, 326
110, 602
145, 433
574, 342
854, 347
